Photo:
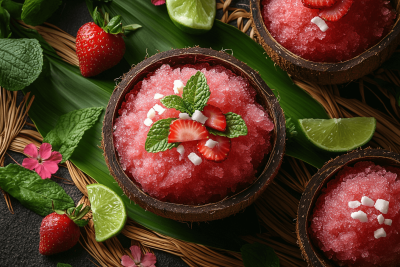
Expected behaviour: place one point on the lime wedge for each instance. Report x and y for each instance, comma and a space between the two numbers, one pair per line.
192, 16
109, 214
339, 135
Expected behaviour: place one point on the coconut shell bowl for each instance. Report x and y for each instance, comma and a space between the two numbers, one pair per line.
211, 211
326, 73
310, 250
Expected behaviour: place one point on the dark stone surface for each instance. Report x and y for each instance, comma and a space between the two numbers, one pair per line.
19, 232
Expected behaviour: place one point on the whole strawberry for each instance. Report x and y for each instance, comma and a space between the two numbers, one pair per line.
99, 44
59, 230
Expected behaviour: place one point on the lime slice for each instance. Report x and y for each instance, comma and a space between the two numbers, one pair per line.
192, 16
108, 209
339, 135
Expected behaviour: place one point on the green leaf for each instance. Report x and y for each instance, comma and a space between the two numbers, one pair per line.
114, 26
63, 265
15, 9
35, 12
81, 223
131, 27
5, 31
33, 192
157, 137
70, 128
258, 255
235, 126
176, 102
21, 62
290, 130
98, 18
196, 93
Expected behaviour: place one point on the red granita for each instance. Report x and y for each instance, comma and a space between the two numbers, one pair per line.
365, 24
163, 175
350, 241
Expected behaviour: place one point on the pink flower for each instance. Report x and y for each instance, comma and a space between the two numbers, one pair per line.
45, 163
147, 261
158, 2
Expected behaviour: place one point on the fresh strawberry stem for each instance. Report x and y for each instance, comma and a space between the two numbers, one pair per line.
113, 25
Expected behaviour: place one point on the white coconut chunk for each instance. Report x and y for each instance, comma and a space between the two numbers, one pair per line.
195, 159
211, 143
159, 109
178, 86
379, 233
359, 215
148, 122
388, 222
198, 116
151, 114
184, 116
158, 96
380, 218
181, 151
382, 205
354, 204
366, 201
320, 23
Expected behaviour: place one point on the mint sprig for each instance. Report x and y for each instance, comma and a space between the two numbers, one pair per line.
196, 93
157, 137
235, 126
176, 102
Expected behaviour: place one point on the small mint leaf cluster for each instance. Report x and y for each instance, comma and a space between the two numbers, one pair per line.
194, 97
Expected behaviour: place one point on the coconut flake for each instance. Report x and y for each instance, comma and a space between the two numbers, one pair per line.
178, 86
320, 23
148, 122
388, 222
359, 215
382, 205
379, 233
195, 159
181, 151
159, 109
151, 114
158, 96
366, 201
211, 143
198, 116
380, 218
354, 204
184, 116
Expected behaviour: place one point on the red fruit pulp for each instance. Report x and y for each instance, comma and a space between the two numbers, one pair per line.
186, 130
97, 50
219, 152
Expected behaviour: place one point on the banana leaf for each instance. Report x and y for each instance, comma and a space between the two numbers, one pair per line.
63, 89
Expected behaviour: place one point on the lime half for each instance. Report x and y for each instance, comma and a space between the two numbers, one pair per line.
192, 16
109, 214
339, 135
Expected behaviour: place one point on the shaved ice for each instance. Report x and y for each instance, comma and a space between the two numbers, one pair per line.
358, 240
365, 24
163, 175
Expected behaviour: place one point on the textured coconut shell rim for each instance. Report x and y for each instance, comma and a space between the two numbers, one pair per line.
312, 254
345, 71
229, 205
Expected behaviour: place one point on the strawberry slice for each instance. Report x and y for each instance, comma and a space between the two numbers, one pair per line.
186, 130
219, 152
337, 11
216, 119
318, 3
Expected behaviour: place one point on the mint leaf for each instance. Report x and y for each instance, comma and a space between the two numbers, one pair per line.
69, 130
5, 31
63, 265
196, 93
35, 12
176, 102
15, 9
258, 255
235, 126
21, 62
157, 137
33, 192
290, 129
